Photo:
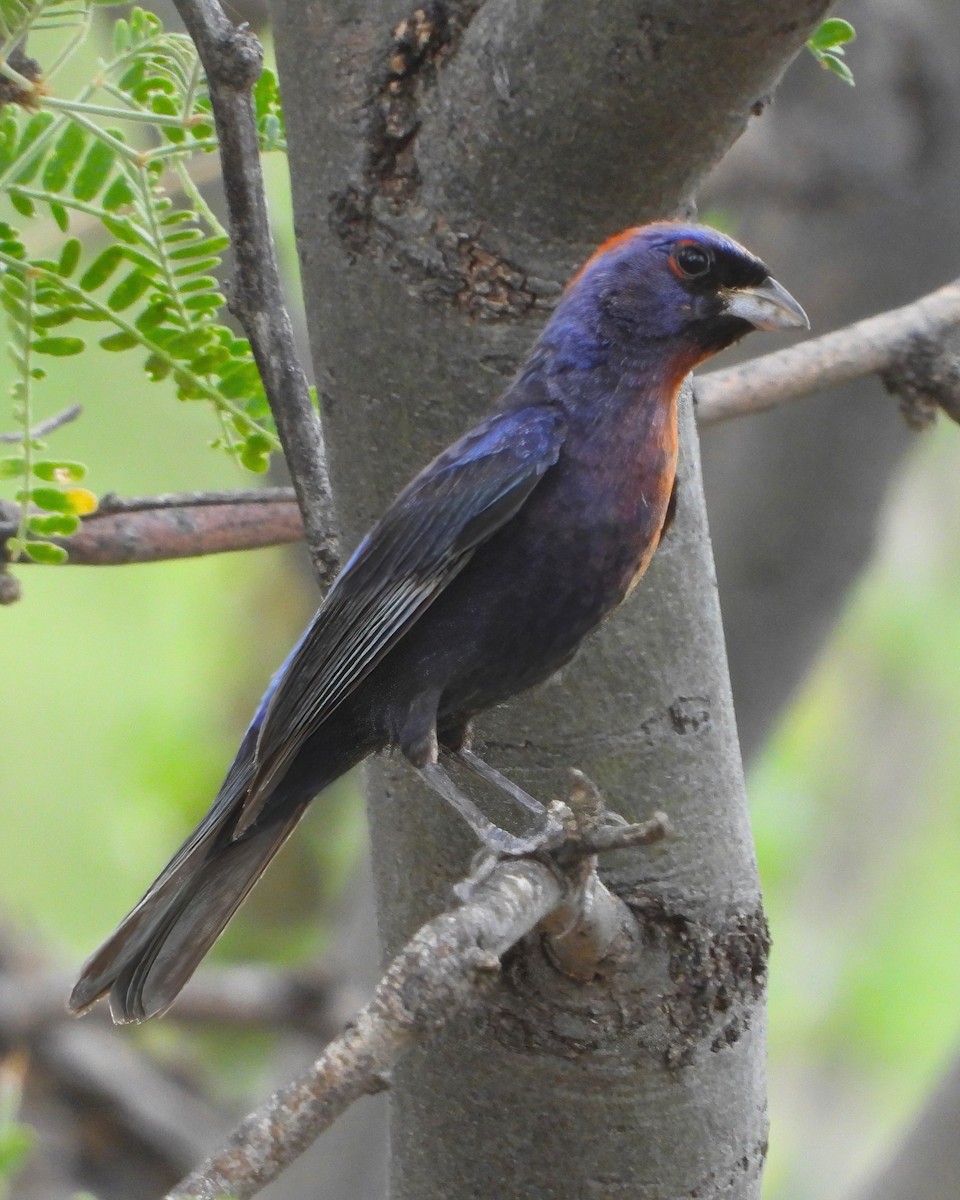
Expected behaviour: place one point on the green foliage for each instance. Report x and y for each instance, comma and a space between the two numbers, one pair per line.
116, 158
826, 46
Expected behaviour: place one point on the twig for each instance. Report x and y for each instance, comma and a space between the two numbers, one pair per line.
110, 502
42, 428
232, 59
443, 968
177, 526
871, 346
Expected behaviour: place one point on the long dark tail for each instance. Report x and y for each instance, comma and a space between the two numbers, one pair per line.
157, 947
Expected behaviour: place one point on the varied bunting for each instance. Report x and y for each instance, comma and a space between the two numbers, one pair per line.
480, 580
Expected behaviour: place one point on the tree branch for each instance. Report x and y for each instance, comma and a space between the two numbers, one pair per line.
186, 525
878, 344
42, 428
232, 59
447, 965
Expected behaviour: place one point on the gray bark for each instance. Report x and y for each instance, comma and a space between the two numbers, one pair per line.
452, 166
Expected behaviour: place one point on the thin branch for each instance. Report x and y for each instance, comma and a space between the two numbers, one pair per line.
177, 526
42, 428
876, 345
232, 59
110, 502
446, 966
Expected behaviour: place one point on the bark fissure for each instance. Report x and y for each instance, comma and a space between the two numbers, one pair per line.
381, 213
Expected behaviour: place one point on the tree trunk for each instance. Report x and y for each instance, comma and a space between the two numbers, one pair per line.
451, 165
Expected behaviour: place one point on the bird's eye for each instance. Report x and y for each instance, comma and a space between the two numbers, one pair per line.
692, 261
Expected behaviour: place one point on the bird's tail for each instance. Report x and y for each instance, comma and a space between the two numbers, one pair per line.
151, 955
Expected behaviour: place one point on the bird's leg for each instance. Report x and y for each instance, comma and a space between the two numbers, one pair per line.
473, 762
498, 840
422, 749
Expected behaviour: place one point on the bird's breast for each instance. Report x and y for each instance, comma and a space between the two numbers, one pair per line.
623, 480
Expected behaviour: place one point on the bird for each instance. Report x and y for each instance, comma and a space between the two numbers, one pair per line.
480, 581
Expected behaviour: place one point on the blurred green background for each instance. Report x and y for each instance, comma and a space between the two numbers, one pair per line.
125, 691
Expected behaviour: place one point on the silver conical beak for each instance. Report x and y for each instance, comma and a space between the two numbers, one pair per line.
766, 306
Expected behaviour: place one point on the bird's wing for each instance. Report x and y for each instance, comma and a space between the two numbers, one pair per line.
423, 540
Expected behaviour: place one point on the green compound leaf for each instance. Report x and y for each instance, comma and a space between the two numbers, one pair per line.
167, 300
826, 45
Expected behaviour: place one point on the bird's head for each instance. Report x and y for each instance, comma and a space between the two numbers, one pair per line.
680, 292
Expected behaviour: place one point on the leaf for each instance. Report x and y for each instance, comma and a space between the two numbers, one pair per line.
205, 246
9, 129
66, 153
54, 525
128, 291
121, 36
839, 68
205, 302
82, 501
204, 264
102, 267
23, 204
254, 458
832, 32
45, 552
11, 468
157, 367
59, 347
94, 170
50, 320
32, 130
61, 216
118, 194
69, 257
61, 470
119, 341
239, 380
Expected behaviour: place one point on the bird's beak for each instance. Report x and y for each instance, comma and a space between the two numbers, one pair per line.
767, 306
